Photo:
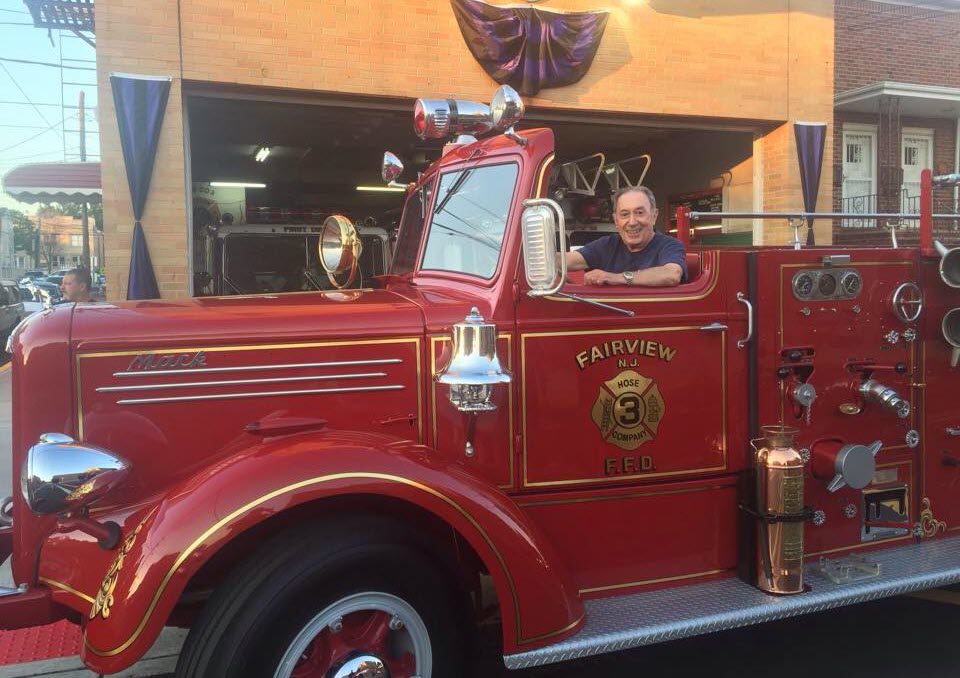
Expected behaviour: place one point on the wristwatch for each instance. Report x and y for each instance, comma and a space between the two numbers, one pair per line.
628, 277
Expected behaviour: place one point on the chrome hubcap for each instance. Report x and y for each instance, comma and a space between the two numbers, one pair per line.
364, 666
364, 635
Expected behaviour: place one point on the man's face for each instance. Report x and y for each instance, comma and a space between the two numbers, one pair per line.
634, 218
73, 290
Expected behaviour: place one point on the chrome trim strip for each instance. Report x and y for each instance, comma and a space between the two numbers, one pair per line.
257, 394
232, 382
246, 368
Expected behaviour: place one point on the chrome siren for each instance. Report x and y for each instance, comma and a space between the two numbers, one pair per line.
444, 118
474, 366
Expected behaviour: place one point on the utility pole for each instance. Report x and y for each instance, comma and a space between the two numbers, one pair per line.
84, 225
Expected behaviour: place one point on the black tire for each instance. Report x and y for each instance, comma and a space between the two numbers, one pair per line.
254, 616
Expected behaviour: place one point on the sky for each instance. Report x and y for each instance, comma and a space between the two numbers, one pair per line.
34, 132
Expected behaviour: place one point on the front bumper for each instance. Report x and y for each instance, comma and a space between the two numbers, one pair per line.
23, 607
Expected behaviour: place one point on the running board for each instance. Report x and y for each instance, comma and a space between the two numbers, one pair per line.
623, 622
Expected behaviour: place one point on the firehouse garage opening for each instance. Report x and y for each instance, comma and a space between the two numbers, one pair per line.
266, 174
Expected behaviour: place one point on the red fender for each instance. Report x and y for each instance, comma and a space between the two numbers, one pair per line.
168, 543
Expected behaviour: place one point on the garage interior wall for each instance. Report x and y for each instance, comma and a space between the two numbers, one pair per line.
767, 60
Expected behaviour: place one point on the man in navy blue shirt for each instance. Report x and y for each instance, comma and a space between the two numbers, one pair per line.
635, 254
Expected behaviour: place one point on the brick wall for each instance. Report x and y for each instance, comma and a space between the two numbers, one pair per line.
771, 63
901, 43
884, 42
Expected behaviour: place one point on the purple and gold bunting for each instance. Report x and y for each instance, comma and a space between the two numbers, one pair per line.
810, 138
140, 103
530, 48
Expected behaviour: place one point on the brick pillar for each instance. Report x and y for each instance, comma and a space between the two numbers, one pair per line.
124, 32
810, 63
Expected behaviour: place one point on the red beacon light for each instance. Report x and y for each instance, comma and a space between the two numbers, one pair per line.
445, 118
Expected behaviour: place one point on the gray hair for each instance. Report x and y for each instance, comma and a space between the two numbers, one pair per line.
635, 189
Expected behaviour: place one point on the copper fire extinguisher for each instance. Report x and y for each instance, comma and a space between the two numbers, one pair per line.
780, 511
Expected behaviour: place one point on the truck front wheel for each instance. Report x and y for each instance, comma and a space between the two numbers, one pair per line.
350, 600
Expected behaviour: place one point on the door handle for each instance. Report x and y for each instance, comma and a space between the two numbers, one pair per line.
952, 431
715, 327
742, 298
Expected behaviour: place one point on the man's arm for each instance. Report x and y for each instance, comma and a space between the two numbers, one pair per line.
667, 275
575, 261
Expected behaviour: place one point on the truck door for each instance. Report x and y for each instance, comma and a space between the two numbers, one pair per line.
607, 398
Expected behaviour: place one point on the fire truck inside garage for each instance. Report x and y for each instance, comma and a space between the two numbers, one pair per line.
266, 171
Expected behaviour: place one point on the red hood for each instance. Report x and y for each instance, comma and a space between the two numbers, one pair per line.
244, 319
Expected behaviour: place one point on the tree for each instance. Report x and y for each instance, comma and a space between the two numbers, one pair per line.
24, 232
49, 248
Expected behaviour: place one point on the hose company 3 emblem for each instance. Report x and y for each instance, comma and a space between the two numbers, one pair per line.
628, 410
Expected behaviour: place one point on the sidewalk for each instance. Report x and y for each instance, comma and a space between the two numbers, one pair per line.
160, 660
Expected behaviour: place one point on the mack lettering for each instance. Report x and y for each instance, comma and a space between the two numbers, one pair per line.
149, 362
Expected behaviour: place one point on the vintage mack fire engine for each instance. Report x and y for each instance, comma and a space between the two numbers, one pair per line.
346, 482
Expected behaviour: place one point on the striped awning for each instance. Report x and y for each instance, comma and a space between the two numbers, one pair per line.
54, 182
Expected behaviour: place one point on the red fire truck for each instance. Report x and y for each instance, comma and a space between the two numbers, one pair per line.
346, 482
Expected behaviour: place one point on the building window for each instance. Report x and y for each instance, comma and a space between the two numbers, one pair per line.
854, 152
911, 155
76, 240
76, 260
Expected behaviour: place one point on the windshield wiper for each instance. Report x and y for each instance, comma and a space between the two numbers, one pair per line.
457, 184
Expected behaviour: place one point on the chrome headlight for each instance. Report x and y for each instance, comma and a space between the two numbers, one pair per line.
62, 475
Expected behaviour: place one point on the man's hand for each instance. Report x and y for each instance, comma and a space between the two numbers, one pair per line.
598, 277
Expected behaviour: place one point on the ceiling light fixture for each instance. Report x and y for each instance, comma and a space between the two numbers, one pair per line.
381, 189
236, 184
262, 153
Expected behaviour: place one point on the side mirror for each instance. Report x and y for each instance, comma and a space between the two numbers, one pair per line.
391, 169
540, 222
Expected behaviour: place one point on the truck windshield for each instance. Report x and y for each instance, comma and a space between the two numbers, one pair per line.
466, 232
411, 230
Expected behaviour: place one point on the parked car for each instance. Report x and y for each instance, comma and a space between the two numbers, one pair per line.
43, 291
11, 309
32, 275
56, 279
30, 305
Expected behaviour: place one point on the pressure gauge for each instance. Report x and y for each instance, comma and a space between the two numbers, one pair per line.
850, 283
827, 285
803, 285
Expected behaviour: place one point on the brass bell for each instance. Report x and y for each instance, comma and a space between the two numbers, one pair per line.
474, 366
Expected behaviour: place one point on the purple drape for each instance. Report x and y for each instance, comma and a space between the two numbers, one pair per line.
140, 102
810, 138
530, 48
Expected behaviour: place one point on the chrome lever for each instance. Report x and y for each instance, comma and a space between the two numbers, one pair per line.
742, 298
715, 327
952, 431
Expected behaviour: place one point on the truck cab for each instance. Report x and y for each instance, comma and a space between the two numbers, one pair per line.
354, 479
